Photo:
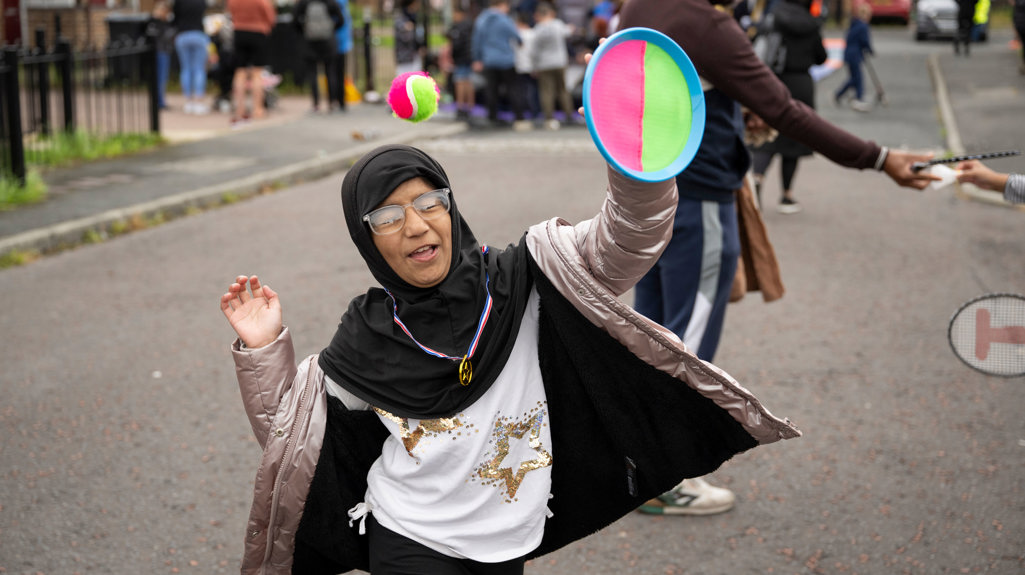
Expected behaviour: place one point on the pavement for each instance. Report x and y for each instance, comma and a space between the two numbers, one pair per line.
207, 163
124, 448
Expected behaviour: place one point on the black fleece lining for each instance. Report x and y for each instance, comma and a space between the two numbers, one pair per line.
608, 405
324, 542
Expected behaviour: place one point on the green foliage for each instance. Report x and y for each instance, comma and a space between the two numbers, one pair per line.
13, 194
66, 148
17, 258
1001, 16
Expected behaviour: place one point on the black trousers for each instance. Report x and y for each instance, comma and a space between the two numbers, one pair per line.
320, 53
393, 554
339, 77
497, 78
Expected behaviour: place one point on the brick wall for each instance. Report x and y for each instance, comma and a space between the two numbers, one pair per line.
85, 27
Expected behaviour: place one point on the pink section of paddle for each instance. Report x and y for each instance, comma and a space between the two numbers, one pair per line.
617, 102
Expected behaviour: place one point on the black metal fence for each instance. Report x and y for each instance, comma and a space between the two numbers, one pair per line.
52, 89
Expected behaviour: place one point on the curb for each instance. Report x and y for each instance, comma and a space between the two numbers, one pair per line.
68, 234
954, 143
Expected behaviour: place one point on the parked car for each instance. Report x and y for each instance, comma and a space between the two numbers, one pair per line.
891, 10
936, 19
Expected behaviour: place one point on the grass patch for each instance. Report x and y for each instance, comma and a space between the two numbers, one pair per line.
68, 148
65, 149
1001, 17
13, 194
17, 258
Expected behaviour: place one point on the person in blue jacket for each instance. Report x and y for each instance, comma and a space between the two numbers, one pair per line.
343, 45
494, 33
859, 42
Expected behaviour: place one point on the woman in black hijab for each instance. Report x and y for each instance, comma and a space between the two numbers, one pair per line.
433, 419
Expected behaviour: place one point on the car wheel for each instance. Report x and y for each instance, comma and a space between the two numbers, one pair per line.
920, 36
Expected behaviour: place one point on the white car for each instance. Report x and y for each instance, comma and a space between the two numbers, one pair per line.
938, 19
935, 19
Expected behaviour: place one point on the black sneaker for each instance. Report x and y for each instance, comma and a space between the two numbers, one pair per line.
788, 206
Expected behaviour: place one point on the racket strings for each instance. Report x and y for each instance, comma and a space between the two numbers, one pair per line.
988, 334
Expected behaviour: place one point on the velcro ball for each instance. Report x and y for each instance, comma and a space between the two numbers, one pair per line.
414, 96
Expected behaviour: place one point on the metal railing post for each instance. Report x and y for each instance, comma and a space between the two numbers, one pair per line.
43, 74
65, 67
150, 57
13, 97
368, 48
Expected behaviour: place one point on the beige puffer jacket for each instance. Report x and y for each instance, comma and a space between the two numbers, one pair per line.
590, 263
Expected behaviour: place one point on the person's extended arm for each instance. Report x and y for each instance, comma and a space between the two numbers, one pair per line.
1012, 185
631, 230
723, 55
1014, 190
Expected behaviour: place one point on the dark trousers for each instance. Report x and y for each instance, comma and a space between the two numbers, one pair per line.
393, 554
496, 79
698, 264
854, 80
320, 53
963, 35
551, 85
788, 167
338, 87
1019, 26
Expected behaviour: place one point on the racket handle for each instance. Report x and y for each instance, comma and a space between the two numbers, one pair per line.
919, 166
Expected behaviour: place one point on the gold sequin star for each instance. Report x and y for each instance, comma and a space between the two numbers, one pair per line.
425, 429
492, 472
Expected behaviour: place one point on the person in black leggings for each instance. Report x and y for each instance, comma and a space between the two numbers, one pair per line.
393, 554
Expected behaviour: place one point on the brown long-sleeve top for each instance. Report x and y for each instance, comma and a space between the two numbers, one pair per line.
252, 15
723, 56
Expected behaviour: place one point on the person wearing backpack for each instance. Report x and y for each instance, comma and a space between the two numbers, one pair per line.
317, 21
800, 48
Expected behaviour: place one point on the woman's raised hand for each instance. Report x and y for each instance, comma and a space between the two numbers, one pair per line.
253, 310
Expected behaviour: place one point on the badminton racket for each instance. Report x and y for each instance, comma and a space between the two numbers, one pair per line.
917, 166
988, 334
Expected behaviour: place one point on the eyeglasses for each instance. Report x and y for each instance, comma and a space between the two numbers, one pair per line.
390, 219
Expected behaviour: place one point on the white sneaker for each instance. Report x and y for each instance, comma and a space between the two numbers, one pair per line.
200, 109
187, 108
691, 497
860, 106
788, 206
523, 125
552, 124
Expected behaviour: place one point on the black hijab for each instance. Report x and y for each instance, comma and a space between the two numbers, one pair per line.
371, 356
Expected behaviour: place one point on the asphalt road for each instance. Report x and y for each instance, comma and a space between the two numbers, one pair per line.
125, 448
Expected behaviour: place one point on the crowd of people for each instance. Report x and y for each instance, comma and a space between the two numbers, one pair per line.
231, 50
523, 52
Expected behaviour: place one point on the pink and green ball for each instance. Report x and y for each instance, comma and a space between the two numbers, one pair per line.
414, 96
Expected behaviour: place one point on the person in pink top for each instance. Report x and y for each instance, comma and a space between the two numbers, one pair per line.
252, 20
